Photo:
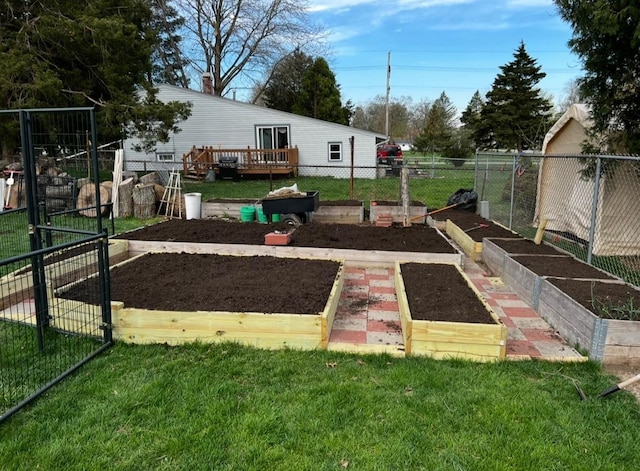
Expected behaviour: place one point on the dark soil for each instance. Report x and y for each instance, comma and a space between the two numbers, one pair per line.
207, 282
466, 220
600, 297
561, 266
416, 238
525, 246
438, 293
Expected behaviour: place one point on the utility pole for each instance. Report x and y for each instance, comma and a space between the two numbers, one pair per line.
386, 122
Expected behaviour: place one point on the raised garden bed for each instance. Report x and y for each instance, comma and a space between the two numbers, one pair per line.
417, 211
496, 250
228, 207
340, 212
444, 316
177, 298
570, 306
468, 230
60, 268
362, 243
562, 290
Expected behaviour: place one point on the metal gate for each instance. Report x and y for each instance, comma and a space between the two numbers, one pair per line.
48, 240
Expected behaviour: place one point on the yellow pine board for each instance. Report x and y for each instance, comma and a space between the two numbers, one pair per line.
457, 332
446, 350
469, 246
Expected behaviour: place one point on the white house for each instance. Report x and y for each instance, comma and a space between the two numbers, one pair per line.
324, 148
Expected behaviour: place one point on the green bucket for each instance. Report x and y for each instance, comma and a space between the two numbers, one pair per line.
275, 218
261, 216
247, 213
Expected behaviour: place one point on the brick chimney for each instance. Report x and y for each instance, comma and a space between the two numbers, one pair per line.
207, 84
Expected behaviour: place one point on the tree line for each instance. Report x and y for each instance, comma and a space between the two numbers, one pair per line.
111, 54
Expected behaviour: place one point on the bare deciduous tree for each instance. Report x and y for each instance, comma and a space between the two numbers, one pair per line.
239, 41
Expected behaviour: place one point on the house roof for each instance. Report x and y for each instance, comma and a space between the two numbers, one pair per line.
577, 112
271, 111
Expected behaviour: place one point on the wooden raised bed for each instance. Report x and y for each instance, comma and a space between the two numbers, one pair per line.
264, 330
225, 207
18, 286
610, 341
417, 211
340, 212
496, 250
444, 339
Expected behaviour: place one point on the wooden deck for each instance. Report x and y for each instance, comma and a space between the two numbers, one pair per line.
198, 161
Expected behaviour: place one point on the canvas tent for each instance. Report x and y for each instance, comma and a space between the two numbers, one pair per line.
565, 199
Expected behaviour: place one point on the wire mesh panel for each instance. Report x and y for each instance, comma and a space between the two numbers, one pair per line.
48, 243
44, 337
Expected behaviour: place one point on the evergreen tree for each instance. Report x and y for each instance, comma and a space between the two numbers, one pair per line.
285, 84
606, 37
168, 63
472, 115
515, 114
319, 95
69, 53
439, 128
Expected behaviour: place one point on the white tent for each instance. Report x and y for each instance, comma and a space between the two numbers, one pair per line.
565, 199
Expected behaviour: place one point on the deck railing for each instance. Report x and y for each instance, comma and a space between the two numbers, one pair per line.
198, 161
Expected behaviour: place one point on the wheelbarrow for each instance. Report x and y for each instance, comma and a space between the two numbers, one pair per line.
295, 209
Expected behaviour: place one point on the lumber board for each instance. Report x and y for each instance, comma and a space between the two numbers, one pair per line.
493, 256
339, 214
375, 257
403, 307
397, 212
469, 246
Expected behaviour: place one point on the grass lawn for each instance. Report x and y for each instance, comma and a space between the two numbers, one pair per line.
228, 407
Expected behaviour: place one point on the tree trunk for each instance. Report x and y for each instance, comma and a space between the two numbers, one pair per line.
144, 201
86, 201
125, 198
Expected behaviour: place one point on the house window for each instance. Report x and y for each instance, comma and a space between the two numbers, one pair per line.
165, 157
335, 152
272, 137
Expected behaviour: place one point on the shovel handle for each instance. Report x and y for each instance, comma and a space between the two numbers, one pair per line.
621, 385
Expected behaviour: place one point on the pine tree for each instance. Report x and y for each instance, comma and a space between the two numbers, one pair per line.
319, 95
472, 115
606, 37
439, 127
285, 83
515, 114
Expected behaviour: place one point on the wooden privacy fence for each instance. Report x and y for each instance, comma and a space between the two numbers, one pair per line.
198, 161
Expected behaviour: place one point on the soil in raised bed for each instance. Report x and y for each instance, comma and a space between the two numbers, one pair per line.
208, 282
525, 246
416, 238
466, 220
437, 292
561, 266
599, 297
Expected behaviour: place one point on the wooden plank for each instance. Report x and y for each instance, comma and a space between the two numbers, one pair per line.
459, 333
260, 330
469, 246
493, 256
397, 213
571, 320
329, 313
524, 282
448, 350
339, 214
379, 257
403, 307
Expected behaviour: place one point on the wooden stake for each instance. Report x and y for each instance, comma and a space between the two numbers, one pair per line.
540, 232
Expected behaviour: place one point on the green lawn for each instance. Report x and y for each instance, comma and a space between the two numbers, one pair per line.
227, 407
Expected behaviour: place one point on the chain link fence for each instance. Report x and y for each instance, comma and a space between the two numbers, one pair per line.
589, 204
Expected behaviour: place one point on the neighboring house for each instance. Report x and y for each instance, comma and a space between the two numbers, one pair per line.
222, 123
565, 199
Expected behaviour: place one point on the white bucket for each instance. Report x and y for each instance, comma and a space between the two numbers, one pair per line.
192, 205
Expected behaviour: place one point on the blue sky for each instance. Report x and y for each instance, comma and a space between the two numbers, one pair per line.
455, 46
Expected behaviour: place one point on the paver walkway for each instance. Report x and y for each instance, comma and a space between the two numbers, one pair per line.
368, 320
